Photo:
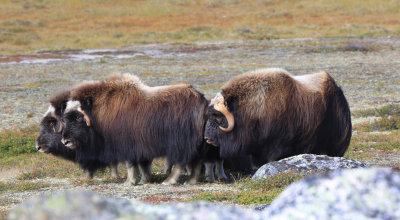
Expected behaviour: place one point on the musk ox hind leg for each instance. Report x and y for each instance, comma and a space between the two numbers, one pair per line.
114, 170
173, 177
132, 174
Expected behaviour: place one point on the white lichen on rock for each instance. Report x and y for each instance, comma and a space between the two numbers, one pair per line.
343, 194
306, 163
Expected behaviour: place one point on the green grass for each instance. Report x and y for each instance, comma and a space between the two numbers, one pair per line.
54, 81
382, 124
375, 142
22, 186
383, 111
38, 166
389, 118
365, 144
251, 191
91, 182
13, 143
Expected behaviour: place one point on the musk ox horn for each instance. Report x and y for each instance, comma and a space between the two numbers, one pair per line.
60, 127
219, 105
85, 116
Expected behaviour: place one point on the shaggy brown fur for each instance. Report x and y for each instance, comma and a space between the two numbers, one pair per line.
279, 115
138, 123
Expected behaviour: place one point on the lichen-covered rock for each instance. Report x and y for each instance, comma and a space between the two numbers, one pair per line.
363, 193
88, 205
342, 194
306, 163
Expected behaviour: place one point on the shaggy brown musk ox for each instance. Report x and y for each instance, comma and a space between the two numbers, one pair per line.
271, 114
49, 139
121, 119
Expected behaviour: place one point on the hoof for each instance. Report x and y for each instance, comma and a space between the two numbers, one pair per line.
210, 180
142, 182
190, 182
168, 183
129, 183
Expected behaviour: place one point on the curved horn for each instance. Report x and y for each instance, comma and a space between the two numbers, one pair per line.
219, 105
85, 116
60, 128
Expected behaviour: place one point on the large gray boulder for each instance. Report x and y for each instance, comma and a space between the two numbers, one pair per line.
342, 194
306, 163
70, 205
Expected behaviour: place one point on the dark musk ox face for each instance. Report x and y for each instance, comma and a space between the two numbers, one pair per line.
49, 139
212, 131
76, 131
220, 121
50, 134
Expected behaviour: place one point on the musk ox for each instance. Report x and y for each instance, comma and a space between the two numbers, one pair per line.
49, 139
121, 119
271, 114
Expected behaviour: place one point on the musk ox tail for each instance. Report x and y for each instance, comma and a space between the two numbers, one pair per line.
336, 128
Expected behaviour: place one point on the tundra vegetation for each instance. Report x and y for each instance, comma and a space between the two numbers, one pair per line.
76, 25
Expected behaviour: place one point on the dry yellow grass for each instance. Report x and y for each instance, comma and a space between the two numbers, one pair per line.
32, 25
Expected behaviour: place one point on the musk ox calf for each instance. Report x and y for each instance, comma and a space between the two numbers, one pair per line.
271, 114
49, 139
121, 119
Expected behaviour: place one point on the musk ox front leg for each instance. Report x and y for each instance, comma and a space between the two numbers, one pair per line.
209, 173
219, 170
114, 170
173, 177
132, 174
89, 174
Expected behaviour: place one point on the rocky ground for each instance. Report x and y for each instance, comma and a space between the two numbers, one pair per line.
367, 193
368, 70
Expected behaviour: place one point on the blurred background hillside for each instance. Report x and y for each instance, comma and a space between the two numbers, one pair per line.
29, 26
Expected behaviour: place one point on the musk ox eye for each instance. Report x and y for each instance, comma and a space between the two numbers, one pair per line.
219, 119
51, 124
79, 118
